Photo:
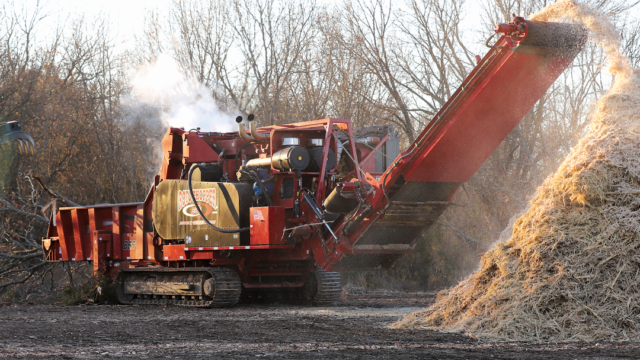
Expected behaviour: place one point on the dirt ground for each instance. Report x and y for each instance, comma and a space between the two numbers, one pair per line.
356, 329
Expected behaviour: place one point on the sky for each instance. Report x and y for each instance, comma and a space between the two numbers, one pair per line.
127, 16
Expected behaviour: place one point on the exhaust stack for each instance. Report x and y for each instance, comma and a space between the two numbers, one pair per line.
254, 131
243, 132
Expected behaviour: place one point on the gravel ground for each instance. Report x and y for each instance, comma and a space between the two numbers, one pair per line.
355, 329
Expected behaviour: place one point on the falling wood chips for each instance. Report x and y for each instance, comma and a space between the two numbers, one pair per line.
569, 269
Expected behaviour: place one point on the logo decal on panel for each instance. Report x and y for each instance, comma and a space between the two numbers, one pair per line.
206, 199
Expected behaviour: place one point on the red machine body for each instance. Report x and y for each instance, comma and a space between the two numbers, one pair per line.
267, 225
373, 209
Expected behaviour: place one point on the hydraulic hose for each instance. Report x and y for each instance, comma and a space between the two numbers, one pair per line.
193, 198
235, 164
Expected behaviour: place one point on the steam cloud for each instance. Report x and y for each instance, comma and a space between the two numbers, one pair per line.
183, 101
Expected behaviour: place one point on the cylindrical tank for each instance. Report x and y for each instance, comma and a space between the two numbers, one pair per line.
211, 173
289, 158
262, 162
335, 203
316, 154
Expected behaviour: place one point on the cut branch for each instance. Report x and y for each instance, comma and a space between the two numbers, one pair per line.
22, 212
55, 194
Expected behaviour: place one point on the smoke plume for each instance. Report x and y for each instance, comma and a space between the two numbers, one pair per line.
182, 100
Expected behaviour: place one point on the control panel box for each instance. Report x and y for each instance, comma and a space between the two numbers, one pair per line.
267, 225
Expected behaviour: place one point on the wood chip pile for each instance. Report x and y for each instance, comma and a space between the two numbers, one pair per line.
569, 269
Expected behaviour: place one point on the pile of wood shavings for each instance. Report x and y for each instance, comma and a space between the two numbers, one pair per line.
569, 268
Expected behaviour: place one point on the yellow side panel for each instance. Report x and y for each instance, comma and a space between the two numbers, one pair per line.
176, 218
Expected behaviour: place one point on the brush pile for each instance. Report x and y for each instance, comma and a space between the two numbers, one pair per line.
569, 269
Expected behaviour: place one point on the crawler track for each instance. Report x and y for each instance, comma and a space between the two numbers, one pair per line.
328, 287
181, 287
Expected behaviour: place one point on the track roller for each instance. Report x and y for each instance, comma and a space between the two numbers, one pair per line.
322, 288
192, 287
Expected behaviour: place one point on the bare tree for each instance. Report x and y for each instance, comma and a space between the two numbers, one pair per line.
273, 37
201, 36
66, 90
368, 33
434, 59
